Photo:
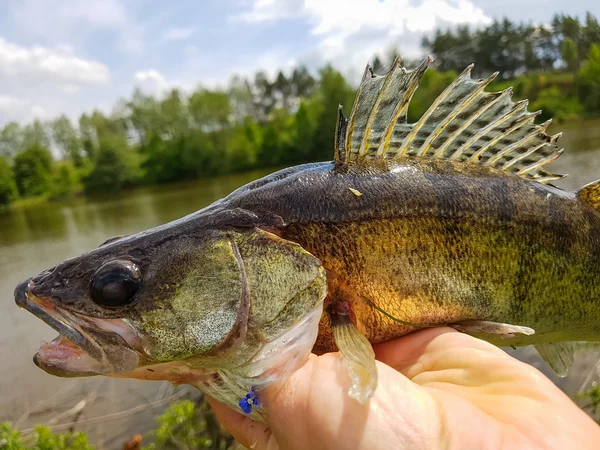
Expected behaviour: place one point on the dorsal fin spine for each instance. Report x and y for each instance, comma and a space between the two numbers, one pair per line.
457, 110
450, 140
520, 122
510, 163
405, 145
475, 156
373, 114
340, 135
352, 121
516, 144
541, 162
553, 140
402, 106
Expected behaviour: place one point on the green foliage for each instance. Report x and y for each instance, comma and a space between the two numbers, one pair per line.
555, 103
515, 48
589, 80
65, 138
114, 169
10, 139
35, 135
568, 51
333, 91
589, 401
188, 425
64, 181
32, 168
41, 439
210, 110
244, 146
8, 187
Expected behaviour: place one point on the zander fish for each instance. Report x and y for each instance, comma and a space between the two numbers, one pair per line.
447, 221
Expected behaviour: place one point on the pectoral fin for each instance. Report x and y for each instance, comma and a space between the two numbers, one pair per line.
358, 356
559, 356
505, 330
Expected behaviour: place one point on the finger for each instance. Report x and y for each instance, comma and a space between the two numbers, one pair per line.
404, 353
250, 434
313, 409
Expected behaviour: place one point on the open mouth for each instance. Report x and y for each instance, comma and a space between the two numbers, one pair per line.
72, 354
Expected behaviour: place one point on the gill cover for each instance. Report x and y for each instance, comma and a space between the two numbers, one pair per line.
208, 308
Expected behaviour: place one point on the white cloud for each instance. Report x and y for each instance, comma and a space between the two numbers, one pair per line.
351, 32
19, 109
178, 34
41, 64
151, 82
271, 10
71, 20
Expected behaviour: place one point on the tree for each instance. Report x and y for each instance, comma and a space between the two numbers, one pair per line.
263, 99
174, 115
283, 89
240, 99
8, 187
11, 139
303, 83
65, 138
64, 180
89, 137
378, 66
568, 51
210, 110
35, 135
145, 115
32, 168
589, 80
113, 170
304, 131
244, 147
333, 90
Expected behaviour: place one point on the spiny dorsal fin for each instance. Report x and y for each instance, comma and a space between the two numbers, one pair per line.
590, 194
464, 123
559, 356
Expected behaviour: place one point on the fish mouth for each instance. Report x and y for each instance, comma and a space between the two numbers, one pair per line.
76, 352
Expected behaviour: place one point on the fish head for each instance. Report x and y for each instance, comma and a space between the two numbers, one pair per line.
181, 304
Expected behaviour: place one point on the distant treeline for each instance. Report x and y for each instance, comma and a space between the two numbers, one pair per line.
262, 122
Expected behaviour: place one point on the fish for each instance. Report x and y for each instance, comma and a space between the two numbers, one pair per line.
452, 220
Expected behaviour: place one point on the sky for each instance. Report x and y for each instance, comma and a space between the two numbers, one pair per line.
71, 56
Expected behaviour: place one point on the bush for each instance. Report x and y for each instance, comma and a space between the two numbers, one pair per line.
64, 181
32, 168
114, 169
8, 187
556, 104
588, 81
589, 401
41, 439
186, 424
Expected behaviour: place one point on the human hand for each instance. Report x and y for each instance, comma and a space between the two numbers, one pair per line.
438, 388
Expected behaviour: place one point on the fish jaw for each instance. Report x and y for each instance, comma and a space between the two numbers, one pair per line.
76, 352
62, 358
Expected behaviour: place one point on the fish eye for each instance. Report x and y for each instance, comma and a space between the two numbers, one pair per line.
115, 283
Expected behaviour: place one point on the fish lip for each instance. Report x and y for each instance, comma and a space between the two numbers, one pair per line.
59, 319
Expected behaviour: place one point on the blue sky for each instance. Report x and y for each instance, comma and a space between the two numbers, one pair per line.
75, 55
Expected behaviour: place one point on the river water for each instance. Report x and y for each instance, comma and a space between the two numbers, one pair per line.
34, 239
